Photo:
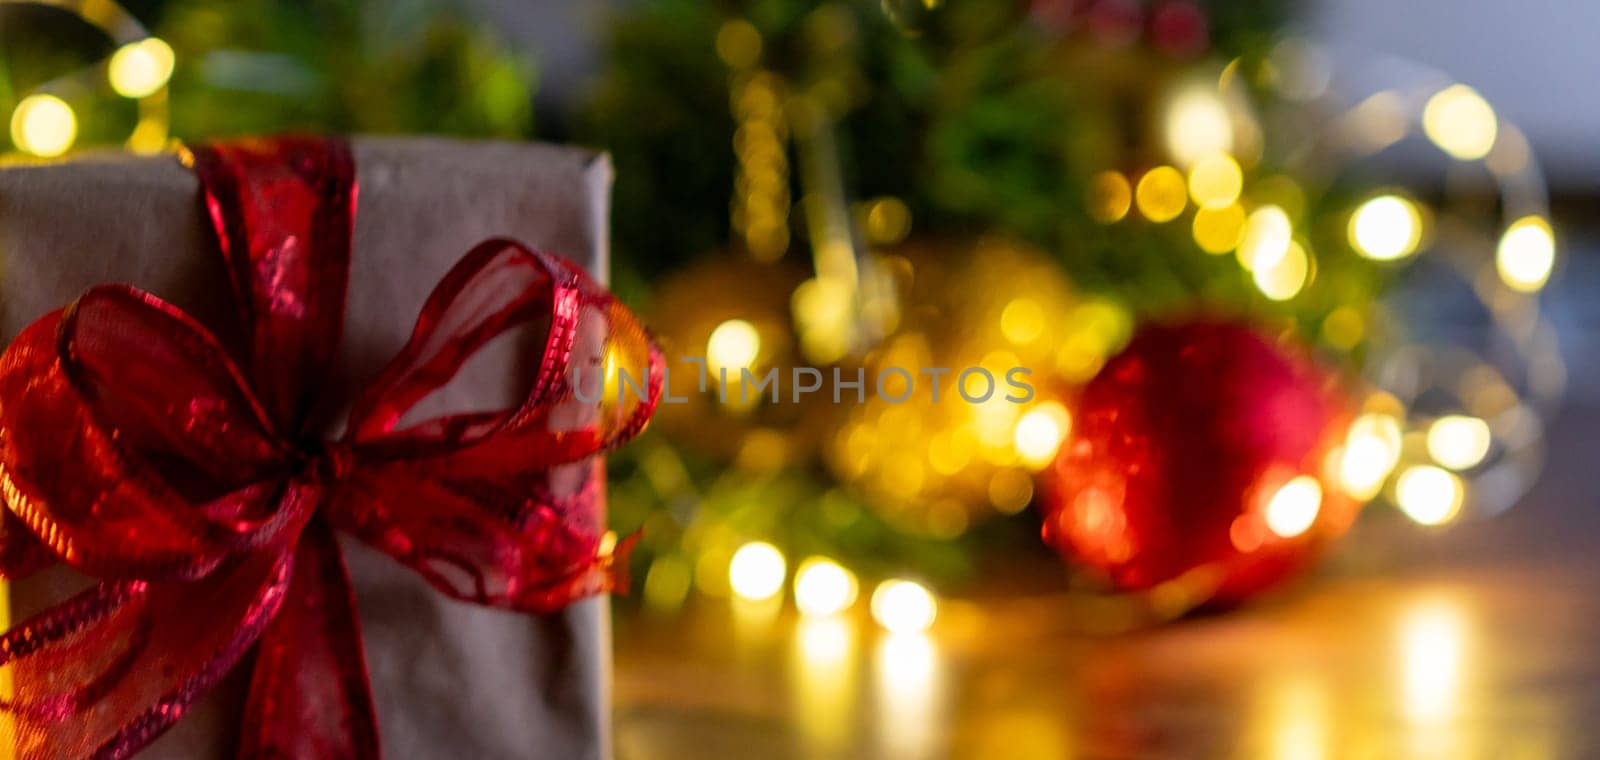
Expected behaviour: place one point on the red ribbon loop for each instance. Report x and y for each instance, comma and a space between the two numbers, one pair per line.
185, 479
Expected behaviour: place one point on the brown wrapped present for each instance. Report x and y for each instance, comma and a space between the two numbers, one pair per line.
449, 679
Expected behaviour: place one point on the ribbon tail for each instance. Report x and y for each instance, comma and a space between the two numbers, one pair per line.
309, 694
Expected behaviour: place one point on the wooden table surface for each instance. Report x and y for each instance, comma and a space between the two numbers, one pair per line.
1480, 639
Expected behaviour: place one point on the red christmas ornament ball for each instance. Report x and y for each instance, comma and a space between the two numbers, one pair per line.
1203, 446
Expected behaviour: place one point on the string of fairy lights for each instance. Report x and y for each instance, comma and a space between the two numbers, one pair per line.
44, 122
1430, 463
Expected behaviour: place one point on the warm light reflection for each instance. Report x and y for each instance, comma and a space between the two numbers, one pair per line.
908, 693
1432, 644
823, 587
824, 680
1460, 122
1283, 279
1161, 194
1386, 228
1198, 125
1526, 254
1267, 234
1216, 181
1430, 495
733, 345
1109, 197
140, 68
1371, 449
756, 571
1294, 714
1458, 442
43, 125
1040, 432
1294, 506
903, 606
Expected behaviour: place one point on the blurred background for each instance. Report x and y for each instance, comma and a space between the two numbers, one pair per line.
1300, 285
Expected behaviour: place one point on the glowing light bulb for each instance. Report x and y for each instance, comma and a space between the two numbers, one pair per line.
1283, 279
140, 68
1198, 125
1294, 506
1039, 434
1386, 228
1430, 495
43, 125
1526, 254
1460, 122
822, 587
903, 606
1458, 442
1161, 194
1216, 181
757, 571
1371, 449
733, 345
1267, 234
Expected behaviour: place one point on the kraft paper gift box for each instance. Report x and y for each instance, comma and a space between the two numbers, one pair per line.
449, 679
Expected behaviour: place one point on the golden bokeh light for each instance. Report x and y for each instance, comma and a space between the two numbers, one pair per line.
1378, 122
1198, 125
1371, 450
1040, 432
1344, 327
1219, 230
1283, 279
903, 606
888, 221
1109, 196
756, 571
733, 345
1010, 490
1161, 194
1458, 442
43, 125
1526, 254
1216, 181
666, 584
1267, 235
1022, 320
1293, 507
1429, 495
823, 587
739, 44
823, 314
1386, 228
140, 68
1460, 122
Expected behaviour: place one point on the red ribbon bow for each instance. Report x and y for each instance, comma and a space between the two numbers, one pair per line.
193, 484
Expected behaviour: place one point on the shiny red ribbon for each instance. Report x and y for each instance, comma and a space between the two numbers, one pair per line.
194, 486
